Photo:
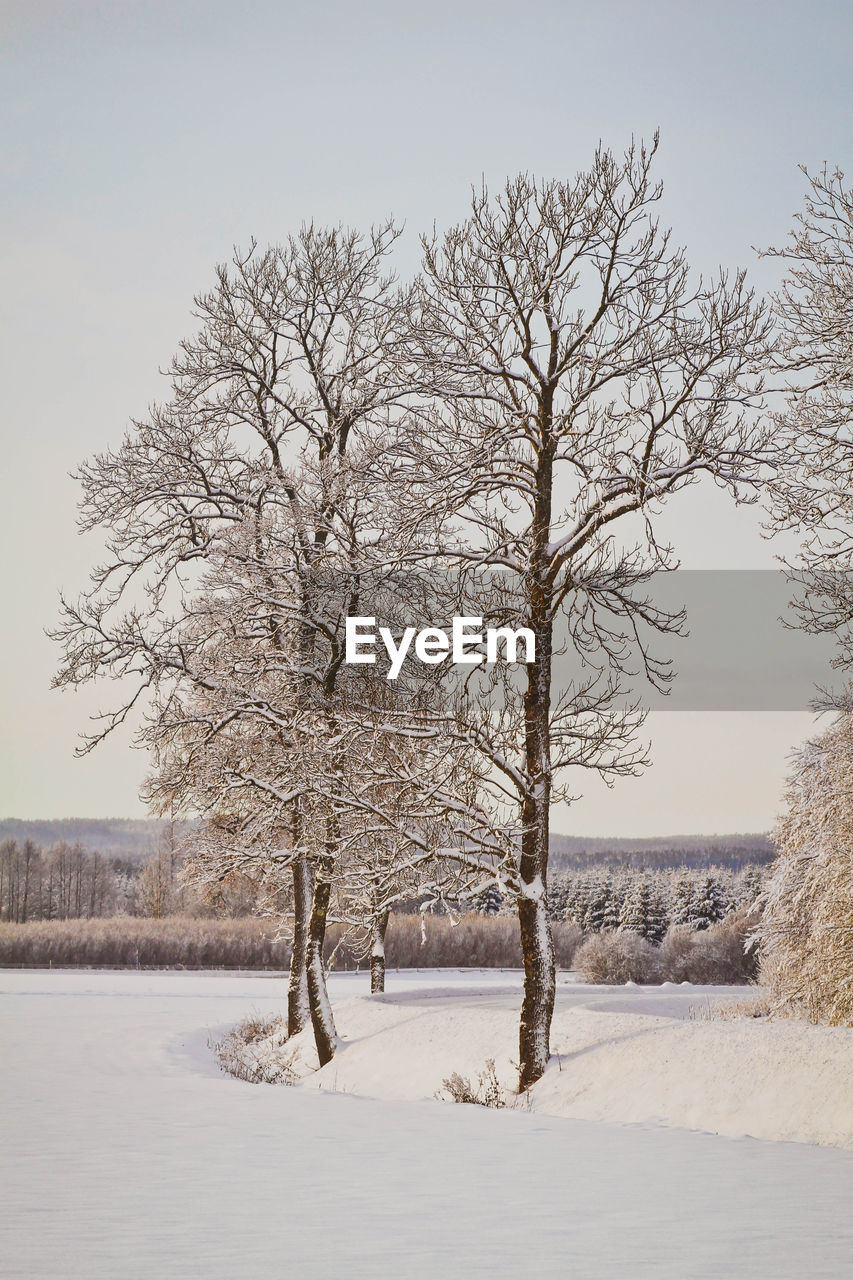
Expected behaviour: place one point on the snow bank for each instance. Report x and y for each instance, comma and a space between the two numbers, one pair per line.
627, 1054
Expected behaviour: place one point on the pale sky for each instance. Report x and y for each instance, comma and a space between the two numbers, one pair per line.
142, 140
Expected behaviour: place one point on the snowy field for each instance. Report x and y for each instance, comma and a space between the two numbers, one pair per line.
126, 1153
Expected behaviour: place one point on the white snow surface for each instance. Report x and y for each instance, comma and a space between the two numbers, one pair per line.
628, 1054
125, 1152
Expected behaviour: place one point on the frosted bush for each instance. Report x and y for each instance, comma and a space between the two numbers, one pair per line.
717, 955
254, 1050
616, 957
487, 1092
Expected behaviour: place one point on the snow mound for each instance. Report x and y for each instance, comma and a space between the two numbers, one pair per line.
632, 1055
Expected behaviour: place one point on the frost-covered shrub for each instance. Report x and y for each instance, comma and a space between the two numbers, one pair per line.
254, 1050
567, 938
616, 957
676, 953
487, 1092
806, 930
716, 955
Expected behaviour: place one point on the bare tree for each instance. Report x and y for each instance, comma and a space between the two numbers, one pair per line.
554, 372
288, 367
807, 923
158, 889
59, 883
572, 377
408, 813
250, 740
812, 490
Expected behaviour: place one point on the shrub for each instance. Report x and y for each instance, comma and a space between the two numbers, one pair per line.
252, 1051
616, 957
488, 1091
717, 955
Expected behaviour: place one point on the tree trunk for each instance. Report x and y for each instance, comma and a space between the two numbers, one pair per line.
537, 944
298, 1003
322, 1018
377, 955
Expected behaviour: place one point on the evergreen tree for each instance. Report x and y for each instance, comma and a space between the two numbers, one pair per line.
489, 901
577, 900
612, 903
682, 903
559, 891
750, 886
597, 904
637, 908
710, 904
658, 912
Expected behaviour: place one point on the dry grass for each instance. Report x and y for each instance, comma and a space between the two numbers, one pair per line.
130, 942
246, 1053
730, 1010
475, 941
487, 1092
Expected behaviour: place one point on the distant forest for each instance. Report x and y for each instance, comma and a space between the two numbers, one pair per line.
88, 869
128, 839
134, 839
577, 853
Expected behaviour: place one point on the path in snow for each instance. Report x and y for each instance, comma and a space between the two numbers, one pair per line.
125, 1153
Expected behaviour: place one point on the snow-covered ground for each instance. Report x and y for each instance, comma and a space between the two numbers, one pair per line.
126, 1153
630, 1054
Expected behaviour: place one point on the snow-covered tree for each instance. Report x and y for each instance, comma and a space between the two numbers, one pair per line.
812, 490
682, 900
598, 905
489, 901
553, 371
225, 509
573, 377
710, 904
658, 915
636, 914
577, 899
806, 929
559, 896
749, 886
